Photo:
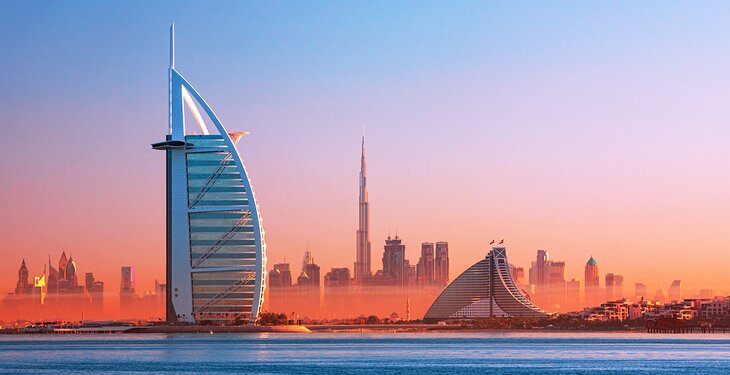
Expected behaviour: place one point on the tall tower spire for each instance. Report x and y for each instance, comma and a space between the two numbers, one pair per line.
362, 261
172, 46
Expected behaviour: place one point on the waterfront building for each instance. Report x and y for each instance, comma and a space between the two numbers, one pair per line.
707, 294
23, 286
572, 289
95, 289
280, 276
485, 289
548, 277
639, 291
337, 278
425, 268
659, 295
311, 270
591, 281
395, 271
675, 291
614, 286
441, 263
216, 253
362, 250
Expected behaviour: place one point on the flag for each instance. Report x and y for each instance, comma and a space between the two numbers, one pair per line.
501, 242
492, 243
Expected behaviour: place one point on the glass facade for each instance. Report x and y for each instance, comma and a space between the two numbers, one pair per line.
223, 247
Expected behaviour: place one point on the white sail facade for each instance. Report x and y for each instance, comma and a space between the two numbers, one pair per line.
216, 254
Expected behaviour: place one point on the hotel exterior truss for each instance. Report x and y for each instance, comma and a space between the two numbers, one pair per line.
216, 254
485, 289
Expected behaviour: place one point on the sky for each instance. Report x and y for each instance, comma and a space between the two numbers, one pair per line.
582, 128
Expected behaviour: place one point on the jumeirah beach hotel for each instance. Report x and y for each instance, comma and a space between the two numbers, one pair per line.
216, 254
485, 289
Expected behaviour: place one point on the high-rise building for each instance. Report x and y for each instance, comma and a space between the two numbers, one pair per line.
518, 274
591, 281
23, 286
707, 293
441, 263
394, 262
485, 289
614, 287
548, 277
639, 291
127, 292
675, 291
128, 284
62, 263
216, 253
310, 272
280, 276
425, 268
95, 289
362, 251
659, 295
572, 291
337, 277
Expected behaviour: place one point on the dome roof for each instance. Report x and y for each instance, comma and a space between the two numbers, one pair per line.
591, 262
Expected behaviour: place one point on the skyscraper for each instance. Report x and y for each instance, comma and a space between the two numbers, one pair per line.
425, 267
127, 292
639, 291
280, 276
216, 253
572, 291
592, 281
614, 286
128, 281
441, 263
337, 277
675, 291
310, 270
362, 262
23, 286
394, 262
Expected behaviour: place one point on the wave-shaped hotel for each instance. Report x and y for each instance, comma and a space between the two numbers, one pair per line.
216, 254
485, 289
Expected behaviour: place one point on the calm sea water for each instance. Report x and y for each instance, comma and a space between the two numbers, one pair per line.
384, 353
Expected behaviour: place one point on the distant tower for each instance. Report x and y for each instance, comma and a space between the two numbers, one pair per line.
394, 261
614, 286
408, 309
62, 263
22, 286
591, 282
425, 267
441, 263
362, 263
640, 291
675, 291
73, 281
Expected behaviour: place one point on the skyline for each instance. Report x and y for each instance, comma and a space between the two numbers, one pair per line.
528, 168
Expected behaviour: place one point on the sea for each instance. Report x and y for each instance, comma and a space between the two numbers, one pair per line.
367, 353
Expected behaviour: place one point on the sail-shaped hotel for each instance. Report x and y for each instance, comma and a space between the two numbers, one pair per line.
216, 254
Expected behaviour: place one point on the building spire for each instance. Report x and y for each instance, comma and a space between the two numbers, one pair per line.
172, 46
